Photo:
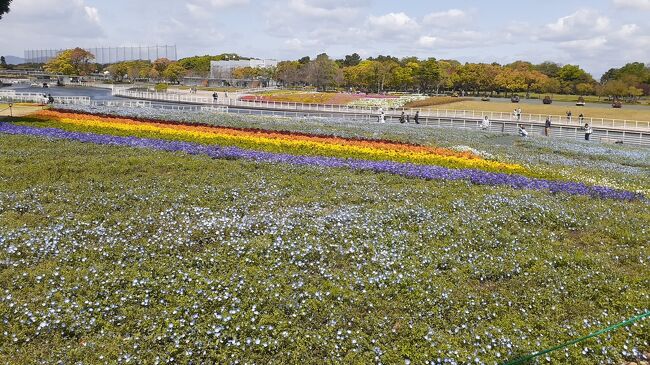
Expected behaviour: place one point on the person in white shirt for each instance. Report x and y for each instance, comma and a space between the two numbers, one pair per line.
522, 131
485, 124
588, 131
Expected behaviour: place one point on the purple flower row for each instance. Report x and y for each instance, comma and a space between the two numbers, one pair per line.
404, 169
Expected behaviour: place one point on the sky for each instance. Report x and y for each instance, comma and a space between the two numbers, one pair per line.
596, 34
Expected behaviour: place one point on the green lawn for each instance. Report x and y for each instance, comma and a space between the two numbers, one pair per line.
109, 254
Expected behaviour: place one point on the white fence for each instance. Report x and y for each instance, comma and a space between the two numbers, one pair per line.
39, 98
331, 108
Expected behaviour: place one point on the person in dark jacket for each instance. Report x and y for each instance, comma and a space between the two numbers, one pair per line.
402, 118
547, 126
417, 117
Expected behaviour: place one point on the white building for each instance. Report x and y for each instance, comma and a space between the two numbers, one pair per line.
223, 69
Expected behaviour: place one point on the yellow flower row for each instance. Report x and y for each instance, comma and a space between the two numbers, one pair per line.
304, 145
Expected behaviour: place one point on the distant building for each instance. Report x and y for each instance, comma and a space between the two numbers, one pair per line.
223, 69
106, 55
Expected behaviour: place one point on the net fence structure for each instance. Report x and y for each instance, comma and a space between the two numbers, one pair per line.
105, 55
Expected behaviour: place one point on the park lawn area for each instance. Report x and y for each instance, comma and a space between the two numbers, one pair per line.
19, 109
122, 255
588, 98
590, 112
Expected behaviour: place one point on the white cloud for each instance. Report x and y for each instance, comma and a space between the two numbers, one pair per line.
583, 23
324, 9
427, 41
92, 13
220, 4
51, 20
392, 22
445, 19
633, 4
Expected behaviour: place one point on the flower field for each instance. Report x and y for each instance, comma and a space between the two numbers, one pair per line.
203, 238
366, 100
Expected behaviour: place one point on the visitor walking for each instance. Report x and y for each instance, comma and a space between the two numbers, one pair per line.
519, 114
547, 126
485, 124
514, 115
402, 118
382, 116
417, 117
568, 116
215, 96
522, 131
588, 131
408, 118
582, 118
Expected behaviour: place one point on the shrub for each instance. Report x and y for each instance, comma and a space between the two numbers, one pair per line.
162, 87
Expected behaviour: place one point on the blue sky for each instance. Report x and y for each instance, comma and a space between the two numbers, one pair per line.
595, 34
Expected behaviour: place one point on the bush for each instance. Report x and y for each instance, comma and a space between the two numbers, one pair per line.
162, 87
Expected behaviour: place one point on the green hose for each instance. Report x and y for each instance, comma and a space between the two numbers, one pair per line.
526, 358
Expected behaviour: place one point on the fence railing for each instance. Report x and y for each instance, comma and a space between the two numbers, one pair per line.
337, 108
15, 97
604, 134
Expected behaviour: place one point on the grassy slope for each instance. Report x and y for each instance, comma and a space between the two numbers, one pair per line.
412, 269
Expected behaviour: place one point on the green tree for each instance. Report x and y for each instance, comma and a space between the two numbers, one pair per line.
289, 73
174, 72
584, 88
246, 72
118, 71
4, 7
548, 68
323, 72
428, 74
352, 60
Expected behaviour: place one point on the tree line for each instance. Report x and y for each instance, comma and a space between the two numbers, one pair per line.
386, 73
382, 73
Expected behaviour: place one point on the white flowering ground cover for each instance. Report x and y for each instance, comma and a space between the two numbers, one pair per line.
387, 103
118, 255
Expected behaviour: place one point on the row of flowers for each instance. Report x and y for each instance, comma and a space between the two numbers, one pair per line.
277, 142
395, 103
404, 169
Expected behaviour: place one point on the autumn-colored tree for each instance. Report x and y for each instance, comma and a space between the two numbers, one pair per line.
161, 64
511, 80
71, 62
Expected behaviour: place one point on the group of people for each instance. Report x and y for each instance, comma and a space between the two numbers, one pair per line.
404, 118
48, 99
215, 96
516, 114
569, 117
